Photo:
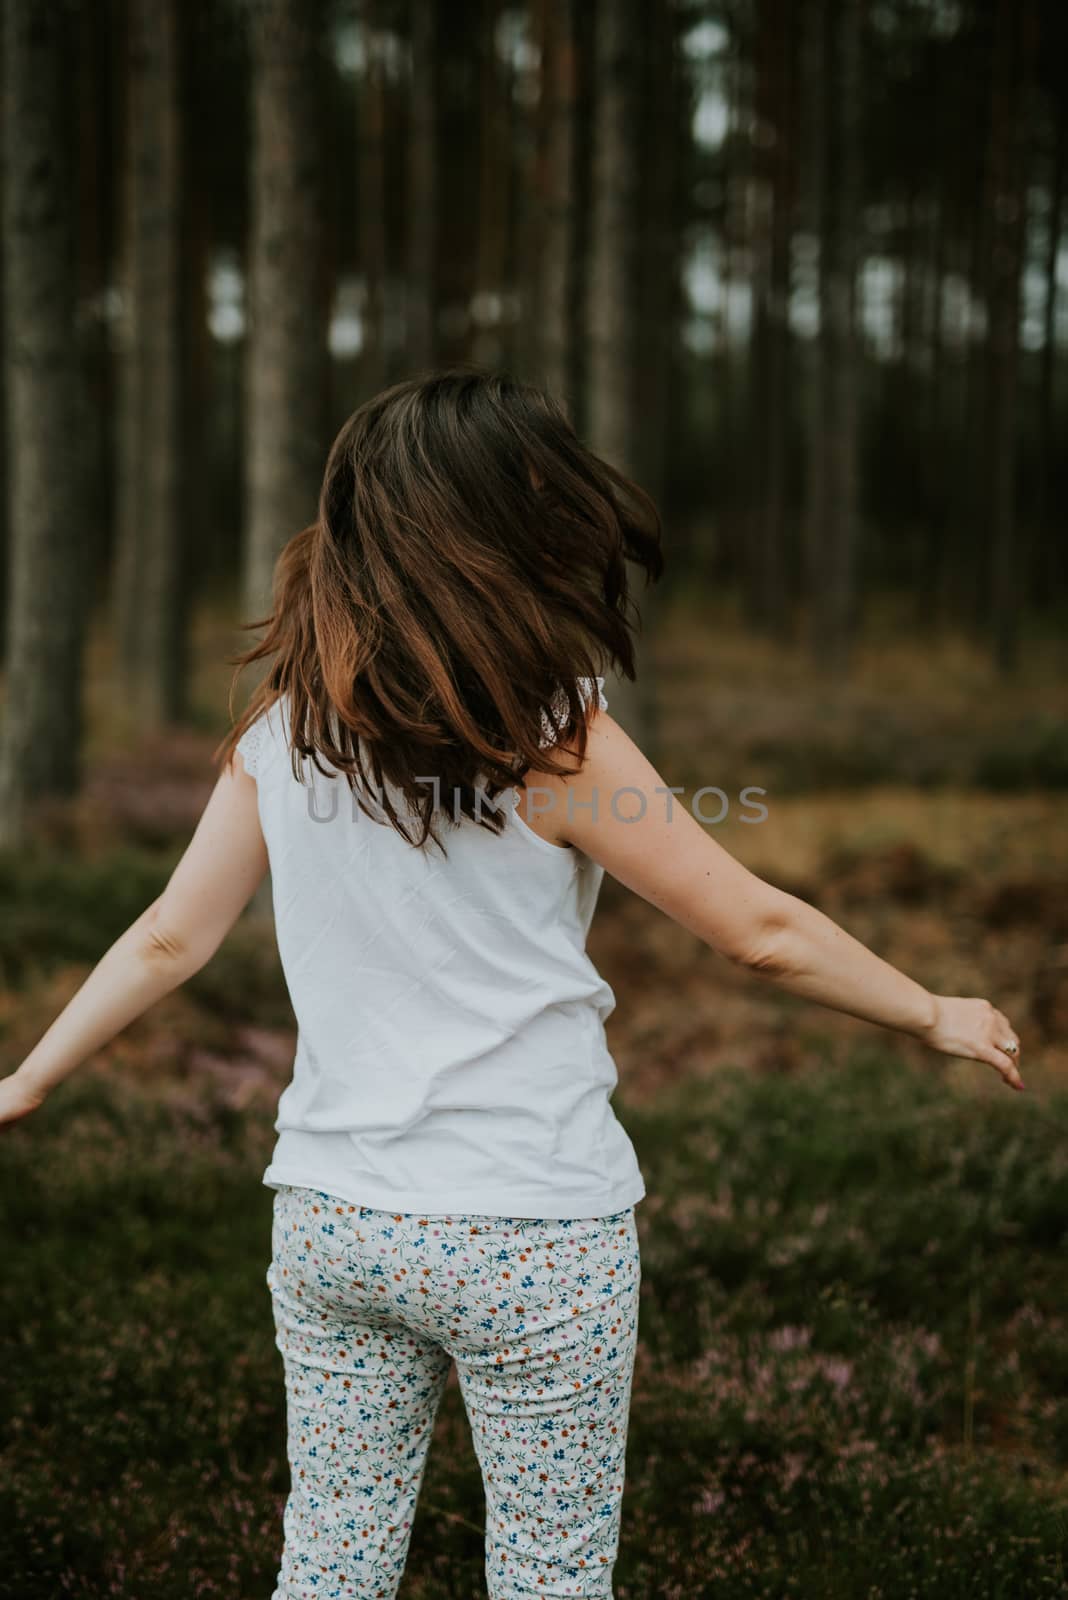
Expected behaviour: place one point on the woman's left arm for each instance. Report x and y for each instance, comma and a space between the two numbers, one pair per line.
172, 939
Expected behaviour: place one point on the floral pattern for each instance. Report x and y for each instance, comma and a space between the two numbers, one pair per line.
371, 1309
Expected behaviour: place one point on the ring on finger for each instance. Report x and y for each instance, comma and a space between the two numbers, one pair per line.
1011, 1048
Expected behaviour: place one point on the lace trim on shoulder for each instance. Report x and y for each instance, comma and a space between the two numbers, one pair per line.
588, 688
252, 743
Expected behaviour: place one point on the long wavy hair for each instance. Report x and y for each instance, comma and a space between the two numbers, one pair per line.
467, 566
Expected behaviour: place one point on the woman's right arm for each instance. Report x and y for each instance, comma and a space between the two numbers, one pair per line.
617, 809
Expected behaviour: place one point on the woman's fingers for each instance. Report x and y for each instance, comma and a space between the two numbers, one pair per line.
1007, 1067
973, 1028
1007, 1033
17, 1100
1005, 1053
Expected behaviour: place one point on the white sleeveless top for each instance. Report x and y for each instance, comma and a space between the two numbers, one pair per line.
451, 1052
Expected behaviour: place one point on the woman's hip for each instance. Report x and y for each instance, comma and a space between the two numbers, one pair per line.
474, 1282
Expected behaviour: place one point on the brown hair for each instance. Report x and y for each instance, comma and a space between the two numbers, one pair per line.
467, 566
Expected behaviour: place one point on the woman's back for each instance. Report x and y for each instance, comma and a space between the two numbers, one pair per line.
451, 1050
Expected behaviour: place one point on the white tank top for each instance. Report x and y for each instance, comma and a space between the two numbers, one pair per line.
451, 1052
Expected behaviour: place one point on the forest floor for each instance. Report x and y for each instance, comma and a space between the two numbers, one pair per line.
854, 1350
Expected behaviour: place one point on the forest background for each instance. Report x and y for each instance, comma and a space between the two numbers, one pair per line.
800, 266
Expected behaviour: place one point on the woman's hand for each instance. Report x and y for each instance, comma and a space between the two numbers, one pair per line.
18, 1098
171, 940
977, 1031
664, 854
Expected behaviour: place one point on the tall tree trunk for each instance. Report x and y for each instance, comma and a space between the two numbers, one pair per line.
555, 309
93, 188
968, 544
612, 282
1046, 576
40, 744
675, 412
583, 20
151, 609
731, 374
422, 294
812, 196
1006, 208
836, 595
528, 128
126, 575
657, 241
207, 554
485, 345
287, 365
927, 599
612, 303
158, 289
371, 218
904, 376
768, 560
6, 551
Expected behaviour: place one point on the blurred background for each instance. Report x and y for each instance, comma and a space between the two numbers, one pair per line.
800, 266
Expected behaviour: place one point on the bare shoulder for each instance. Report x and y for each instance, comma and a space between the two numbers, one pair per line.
553, 804
612, 761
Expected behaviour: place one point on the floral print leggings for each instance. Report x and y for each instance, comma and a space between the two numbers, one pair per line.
371, 1309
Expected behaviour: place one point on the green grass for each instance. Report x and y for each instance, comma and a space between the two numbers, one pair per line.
61, 908
851, 1381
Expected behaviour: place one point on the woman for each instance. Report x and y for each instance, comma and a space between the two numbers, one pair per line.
431, 771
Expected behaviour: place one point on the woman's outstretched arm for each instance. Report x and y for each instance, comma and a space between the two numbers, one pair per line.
664, 854
174, 937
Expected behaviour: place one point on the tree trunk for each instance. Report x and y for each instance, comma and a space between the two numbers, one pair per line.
92, 186
151, 569
926, 601
904, 379
207, 551
612, 302
371, 216
613, 243
126, 578
487, 302
812, 206
555, 313
583, 20
838, 547
1047, 573
969, 542
6, 551
731, 374
40, 747
658, 245
767, 574
1006, 209
671, 460
423, 188
287, 366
